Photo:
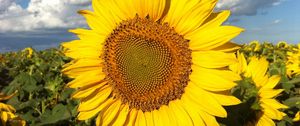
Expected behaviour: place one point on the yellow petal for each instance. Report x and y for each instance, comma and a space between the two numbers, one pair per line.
98, 23
297, 117
99, 120
187, 15
271, 112
103, 11
82, 63
194, 114
269, 93
162, 117
195, 16
149, 118
94, 100
4, 117
132, 117
171, 115
140, 119
87, 80
89, 37
272, 102
73, 73
265, 121
180, 114
215, 19
120, 120
212, 79
224, 99
5, 107
272, 81
209, 104
258, 68
178, 8
228, 47
111, 112
208, 119
213, 59
121, 9
84, 115
153, 8
84, 52
88, 90
158, 118
81, 45
241, 66
207, 39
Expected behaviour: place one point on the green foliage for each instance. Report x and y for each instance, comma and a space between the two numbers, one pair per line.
42, 98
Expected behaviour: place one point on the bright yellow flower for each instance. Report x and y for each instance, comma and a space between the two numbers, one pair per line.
282, 44
256, 70
293, 62
7, 115
28, 51
153, 62
297, 117
255, 45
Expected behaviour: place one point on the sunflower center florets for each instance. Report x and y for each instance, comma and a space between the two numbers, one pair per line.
147, 63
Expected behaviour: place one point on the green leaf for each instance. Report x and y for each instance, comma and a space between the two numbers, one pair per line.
58, 113
292, 102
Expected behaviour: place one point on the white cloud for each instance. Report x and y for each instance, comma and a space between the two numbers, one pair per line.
277, 21
5, 4
246, 7
41, 14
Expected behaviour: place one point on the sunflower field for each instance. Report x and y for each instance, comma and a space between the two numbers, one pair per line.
39, 95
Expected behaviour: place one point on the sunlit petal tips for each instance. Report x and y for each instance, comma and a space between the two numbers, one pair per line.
145, 62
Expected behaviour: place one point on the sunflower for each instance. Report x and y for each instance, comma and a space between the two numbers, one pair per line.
293, 62
265, 108
153, 62
28, 52
282, 44
7, 115
255, 45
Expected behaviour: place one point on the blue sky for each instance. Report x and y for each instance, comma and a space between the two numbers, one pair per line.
44, 23
23, 3
280, 23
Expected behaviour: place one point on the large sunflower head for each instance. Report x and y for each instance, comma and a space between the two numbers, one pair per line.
153, 62
293, 62
260, 93
7, 115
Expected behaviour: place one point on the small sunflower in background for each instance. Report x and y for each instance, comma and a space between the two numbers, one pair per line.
28, 52
282, 44
258, 92
7, 115
293, 62
255, 45
153, 62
